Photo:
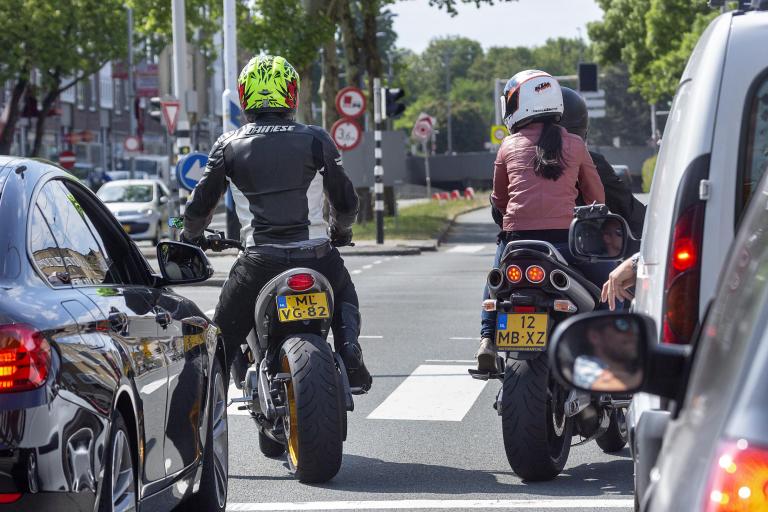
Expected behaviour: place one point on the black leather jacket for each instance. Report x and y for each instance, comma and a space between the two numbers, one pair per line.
269, 165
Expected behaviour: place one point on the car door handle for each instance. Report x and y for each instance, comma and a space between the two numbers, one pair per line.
163, 317
118, 322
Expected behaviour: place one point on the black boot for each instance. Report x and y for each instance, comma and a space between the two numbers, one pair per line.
239, 367
346, 329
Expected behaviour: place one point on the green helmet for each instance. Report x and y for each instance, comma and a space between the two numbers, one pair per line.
268, 84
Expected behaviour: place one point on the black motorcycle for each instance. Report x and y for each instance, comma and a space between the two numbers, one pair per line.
533, 290
296, 387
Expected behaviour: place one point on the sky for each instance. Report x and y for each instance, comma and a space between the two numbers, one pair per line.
519, 23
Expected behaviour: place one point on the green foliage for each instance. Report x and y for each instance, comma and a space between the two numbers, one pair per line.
648, 168
450, 5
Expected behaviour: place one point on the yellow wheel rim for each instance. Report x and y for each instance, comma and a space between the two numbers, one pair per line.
291, 432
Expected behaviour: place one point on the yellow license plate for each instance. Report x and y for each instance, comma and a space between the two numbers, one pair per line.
305, 306
126, 228
521, 331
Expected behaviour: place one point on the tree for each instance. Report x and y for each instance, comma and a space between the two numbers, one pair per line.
64, 41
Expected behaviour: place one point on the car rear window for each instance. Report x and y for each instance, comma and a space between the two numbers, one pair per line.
755, 142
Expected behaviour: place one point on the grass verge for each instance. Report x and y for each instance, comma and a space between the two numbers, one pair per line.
421, 221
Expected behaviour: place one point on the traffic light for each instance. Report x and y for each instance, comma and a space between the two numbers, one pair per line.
588, 77
155, 110
392, 106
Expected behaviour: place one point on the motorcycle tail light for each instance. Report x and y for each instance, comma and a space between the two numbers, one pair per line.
514, 274
524, 309
738, 481
24, 358
301, 282
535, 274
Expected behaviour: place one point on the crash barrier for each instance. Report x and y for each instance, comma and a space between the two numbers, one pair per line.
469, 193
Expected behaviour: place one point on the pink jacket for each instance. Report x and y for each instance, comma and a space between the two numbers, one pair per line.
533, 202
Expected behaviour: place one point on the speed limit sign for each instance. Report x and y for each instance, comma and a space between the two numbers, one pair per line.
346, 134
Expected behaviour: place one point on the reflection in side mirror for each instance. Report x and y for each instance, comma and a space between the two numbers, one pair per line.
602, 352
602, 238
183, 263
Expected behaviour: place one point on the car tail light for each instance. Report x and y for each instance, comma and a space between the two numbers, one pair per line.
681, 306
301, 282
9, 497
514, 274
738, 481
535, 274
24, 358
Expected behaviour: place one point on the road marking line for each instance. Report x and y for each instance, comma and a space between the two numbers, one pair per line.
365, 337
467, 248
377, 262
460, 338
210, 313
356, 272
432, 393
233, 410
451, 361
535, 504
366, 267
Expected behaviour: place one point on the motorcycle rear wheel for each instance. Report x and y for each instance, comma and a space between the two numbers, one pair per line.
615, 438
313, 425
537, 434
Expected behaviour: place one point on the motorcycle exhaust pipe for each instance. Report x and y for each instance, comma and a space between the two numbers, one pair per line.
559, 280
495, 278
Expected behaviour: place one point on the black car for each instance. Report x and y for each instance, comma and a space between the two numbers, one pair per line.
112, 394
709, 451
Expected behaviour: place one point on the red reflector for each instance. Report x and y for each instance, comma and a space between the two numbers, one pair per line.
9, 497
535, 274
684, 254
738, 480
24, 358
524, 309
301, 282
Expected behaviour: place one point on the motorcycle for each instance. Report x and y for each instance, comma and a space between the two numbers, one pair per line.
296, 387
533, 290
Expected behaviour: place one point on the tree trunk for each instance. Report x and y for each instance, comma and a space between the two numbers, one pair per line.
42, 115
352, 44
13, 109
304, 112
329, 84
370, 9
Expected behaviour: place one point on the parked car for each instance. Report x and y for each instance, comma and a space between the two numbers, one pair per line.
712, 155
141, 206
112, 394
622, 171
126, 175
714, 443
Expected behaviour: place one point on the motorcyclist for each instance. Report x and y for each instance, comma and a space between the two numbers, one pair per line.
270, 163
535, 179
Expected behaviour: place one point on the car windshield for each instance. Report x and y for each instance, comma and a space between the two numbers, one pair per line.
126, 194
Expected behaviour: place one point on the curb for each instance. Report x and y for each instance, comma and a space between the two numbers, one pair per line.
444, 233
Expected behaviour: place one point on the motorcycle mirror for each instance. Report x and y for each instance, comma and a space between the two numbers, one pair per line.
600, 237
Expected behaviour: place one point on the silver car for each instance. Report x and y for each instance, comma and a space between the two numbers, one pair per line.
141, 206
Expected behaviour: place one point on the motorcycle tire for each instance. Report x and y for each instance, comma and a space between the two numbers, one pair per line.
269, 447
615, 438
535, 450
314, 429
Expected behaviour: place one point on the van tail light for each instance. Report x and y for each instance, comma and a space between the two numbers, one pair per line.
301, 282
738, 480
681, 288
9, 497
25, 357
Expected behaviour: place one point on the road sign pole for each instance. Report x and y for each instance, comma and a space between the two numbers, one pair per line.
178, 17
425, 147
130, 91
378, 170
230, 104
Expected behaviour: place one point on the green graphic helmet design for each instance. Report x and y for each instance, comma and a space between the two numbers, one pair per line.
268, 84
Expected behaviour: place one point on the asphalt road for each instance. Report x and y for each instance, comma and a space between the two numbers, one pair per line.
426, 436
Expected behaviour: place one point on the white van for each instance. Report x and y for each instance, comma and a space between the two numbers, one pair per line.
713, 153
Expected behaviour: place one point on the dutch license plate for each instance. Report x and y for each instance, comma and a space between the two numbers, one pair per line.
521, 331
305, 306
127, 228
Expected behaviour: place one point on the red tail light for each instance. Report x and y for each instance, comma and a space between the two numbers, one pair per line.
9, 497
514, 274
301, 282
681, 297
524, 309
24, 358
738, 481
535, 274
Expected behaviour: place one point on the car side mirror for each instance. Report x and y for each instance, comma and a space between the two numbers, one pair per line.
182, 263
616, 352
163, 200
599, 236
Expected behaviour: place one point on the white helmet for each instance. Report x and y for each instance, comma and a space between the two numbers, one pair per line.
528, 95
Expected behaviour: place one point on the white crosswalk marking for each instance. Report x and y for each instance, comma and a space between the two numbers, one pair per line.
530, 504
432, 392
467, 248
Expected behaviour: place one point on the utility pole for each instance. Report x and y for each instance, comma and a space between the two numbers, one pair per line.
448, 98
378, 170
179, 23
230, 108
130, 94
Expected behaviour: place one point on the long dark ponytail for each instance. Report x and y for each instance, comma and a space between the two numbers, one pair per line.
548, 162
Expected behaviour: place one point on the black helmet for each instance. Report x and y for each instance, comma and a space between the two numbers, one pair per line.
575, 116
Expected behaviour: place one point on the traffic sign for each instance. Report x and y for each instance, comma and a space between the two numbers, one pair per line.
498, 132
190, 168
67, 159
170, 114
346, 133
132, 144
422, 128
350, 102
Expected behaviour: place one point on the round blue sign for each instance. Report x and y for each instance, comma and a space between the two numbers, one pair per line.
190, 168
